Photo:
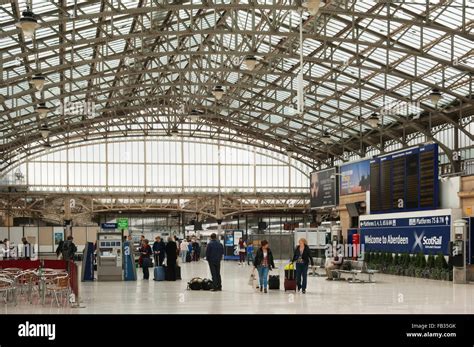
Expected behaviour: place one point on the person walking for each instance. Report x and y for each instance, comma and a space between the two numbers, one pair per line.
27, 251
214, 254
184, 250
264, 264
171, 249
250, 253
242, 249
302, 258
196, 250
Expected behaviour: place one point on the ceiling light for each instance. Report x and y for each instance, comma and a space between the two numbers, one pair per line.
218, 92
312, 6
28, 23
326, 138
250, 62
42, 110
373, 120
38, 81
44, 131
435, 96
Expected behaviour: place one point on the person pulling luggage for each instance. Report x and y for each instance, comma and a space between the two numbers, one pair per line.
302, 258
264, 263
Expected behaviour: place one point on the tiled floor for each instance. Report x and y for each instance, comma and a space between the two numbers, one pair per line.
391, 294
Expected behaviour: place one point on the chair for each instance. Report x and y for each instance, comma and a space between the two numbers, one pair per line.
27, 281
59, 286
7, 287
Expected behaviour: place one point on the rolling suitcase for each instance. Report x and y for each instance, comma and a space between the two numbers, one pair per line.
159, 273
274, 282
290, 274
188, 258
290, 285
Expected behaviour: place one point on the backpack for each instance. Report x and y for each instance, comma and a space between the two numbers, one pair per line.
206, 284
68, 250
195, 283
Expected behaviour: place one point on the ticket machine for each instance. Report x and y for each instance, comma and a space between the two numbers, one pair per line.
457, 251
109, 255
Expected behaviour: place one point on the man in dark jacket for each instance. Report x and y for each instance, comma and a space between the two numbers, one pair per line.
159, 251
214, 254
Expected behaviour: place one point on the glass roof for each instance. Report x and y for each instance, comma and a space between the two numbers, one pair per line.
122, 57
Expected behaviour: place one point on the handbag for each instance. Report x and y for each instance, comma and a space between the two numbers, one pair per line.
252, 279
146, 262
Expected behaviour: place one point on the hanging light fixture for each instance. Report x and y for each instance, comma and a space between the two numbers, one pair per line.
312, 6
28, 23
373, 120
44, 130
38, 81
218, 92
435, 96
326, 138
42, 110
250, 62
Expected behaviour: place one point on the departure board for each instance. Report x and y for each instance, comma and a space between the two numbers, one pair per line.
375, 184
427, 178
398, 182
405, 180
412, 181
385, 184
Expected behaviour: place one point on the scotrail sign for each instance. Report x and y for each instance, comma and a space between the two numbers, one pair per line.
426, 234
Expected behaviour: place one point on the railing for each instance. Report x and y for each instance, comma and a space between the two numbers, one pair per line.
468, 167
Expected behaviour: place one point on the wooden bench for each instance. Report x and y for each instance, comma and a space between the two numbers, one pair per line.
358, 270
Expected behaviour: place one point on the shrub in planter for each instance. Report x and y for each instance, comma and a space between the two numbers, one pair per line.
367, 256
396, 260
440, 262
420, 260
430, 263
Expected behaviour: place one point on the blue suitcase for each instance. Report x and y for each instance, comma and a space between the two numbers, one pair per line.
159, 273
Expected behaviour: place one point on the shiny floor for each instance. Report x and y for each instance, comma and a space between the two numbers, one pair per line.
391, 294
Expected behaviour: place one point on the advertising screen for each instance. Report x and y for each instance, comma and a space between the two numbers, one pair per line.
355, 177
323, 188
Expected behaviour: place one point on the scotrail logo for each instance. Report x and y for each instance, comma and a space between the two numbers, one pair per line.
422, 242
37, 330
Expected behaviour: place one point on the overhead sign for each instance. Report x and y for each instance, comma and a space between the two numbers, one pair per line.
323, 188
122, 223
108, 225
355, 177
429, 235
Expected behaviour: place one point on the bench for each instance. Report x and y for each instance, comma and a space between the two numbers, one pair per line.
357, 270
318, 265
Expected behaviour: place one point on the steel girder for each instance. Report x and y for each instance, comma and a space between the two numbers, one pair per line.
270, 65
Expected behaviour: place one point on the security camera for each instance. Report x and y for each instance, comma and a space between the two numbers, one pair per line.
333, 177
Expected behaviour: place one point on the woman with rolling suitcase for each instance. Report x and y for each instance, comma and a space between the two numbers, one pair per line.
302, 258
264, 263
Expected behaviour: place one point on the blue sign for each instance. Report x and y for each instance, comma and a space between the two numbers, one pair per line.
108, 225
429, 235
355, 178
129, 271
88, 262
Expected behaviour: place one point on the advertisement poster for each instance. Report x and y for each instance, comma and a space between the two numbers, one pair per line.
229, 238
323, 188
355, 178
58, 237
237, 236
429, 235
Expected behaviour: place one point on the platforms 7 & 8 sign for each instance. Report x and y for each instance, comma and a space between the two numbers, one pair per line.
430, 235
